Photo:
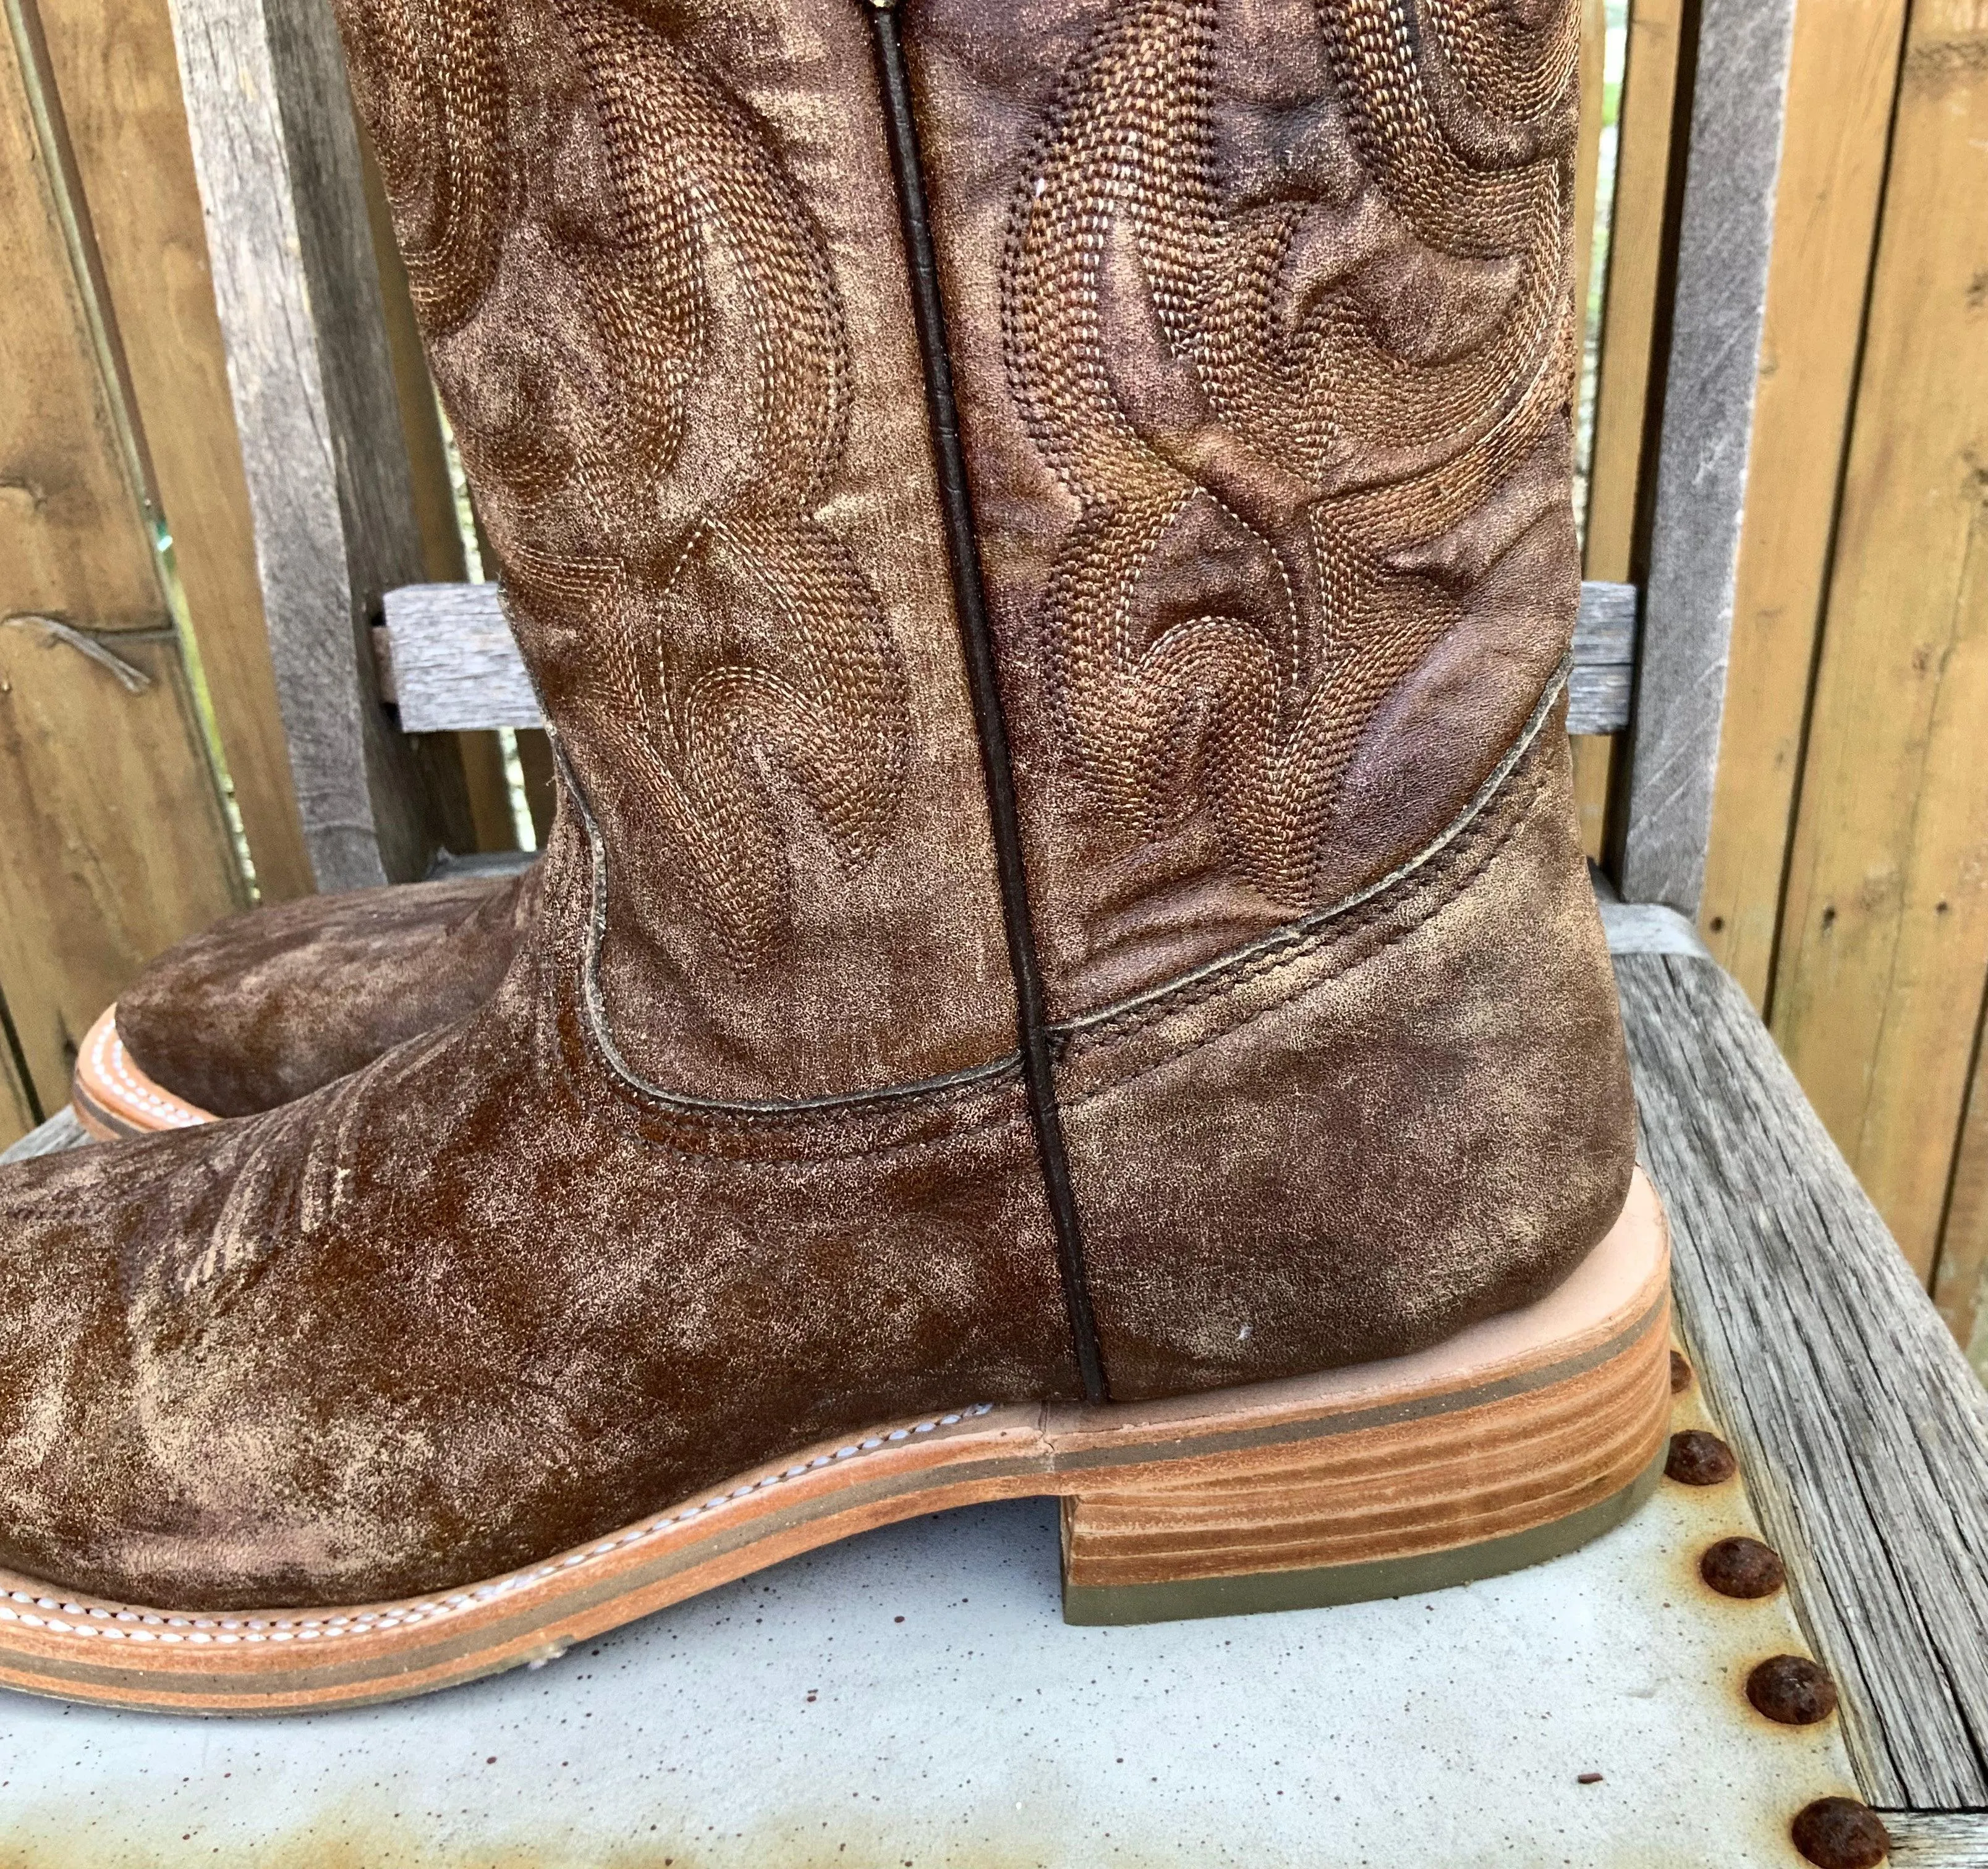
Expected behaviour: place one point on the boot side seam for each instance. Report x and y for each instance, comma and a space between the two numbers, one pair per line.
1298, 939
1286, 947
1264, 966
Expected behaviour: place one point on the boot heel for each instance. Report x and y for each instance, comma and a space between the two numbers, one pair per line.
1392, 1481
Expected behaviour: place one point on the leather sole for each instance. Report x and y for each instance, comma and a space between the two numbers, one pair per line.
1517, 1440
112, 1098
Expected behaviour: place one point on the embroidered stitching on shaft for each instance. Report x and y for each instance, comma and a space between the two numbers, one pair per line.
1298, 938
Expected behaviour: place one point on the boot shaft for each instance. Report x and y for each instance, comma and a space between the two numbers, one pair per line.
1264, 308
656, 260
1259, 320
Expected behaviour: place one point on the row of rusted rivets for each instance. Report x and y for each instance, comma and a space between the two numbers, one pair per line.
1833, 1832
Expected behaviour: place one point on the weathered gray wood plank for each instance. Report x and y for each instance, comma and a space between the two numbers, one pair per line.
1604, 631
1945, 1840
454, 665
1862, 1433
1725, 226
1597, 699
451, 666
276, 151
61, 1131
1648, 927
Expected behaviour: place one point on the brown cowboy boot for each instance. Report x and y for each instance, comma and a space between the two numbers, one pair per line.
1069, 969
263, 1008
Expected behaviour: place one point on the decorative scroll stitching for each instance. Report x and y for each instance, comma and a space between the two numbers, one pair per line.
1280, 331
640, 343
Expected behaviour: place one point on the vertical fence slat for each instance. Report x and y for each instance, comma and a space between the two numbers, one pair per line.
114, 845
114, 73
1628, 324
1591, 755
297, 286
1724, 231
1877, 993
1629, 311
1843, 72
481, 761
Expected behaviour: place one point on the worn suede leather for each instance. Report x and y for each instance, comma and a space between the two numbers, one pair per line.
264, 1007
738, 1156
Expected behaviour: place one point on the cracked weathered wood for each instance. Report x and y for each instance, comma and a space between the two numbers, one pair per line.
450, 664
62, 1130
1862, 1434
297, 287
1937, 1840
1725, 228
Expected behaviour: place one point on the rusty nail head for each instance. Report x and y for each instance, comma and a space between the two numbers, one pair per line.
1680, 1375
1839, 1833
1743, 1567
1793, 1690
1699, 1459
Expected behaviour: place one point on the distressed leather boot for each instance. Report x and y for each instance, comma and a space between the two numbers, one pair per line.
1043, 536
264, 1007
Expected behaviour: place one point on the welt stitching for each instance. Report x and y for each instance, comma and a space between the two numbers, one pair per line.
108, 1054
230, 1628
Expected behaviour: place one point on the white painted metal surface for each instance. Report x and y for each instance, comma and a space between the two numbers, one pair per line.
912, 1698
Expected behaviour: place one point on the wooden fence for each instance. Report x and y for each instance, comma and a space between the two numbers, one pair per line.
145, 780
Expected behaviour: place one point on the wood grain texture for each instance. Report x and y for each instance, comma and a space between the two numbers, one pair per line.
1591, 755
1725, 229
1648, 927
1884, 943
1843, 72
1937, 1840
114, 848
1628, 325
20, 1109
62, 1130
1587, 150
1629, 303
297, 286
1862, 1434
484, 821
454, 663
71, 543
1962, 1269
114, 845
120, 95
449, 662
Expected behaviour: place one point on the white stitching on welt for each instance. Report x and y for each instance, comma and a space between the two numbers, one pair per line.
107, 1057
122, 1623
